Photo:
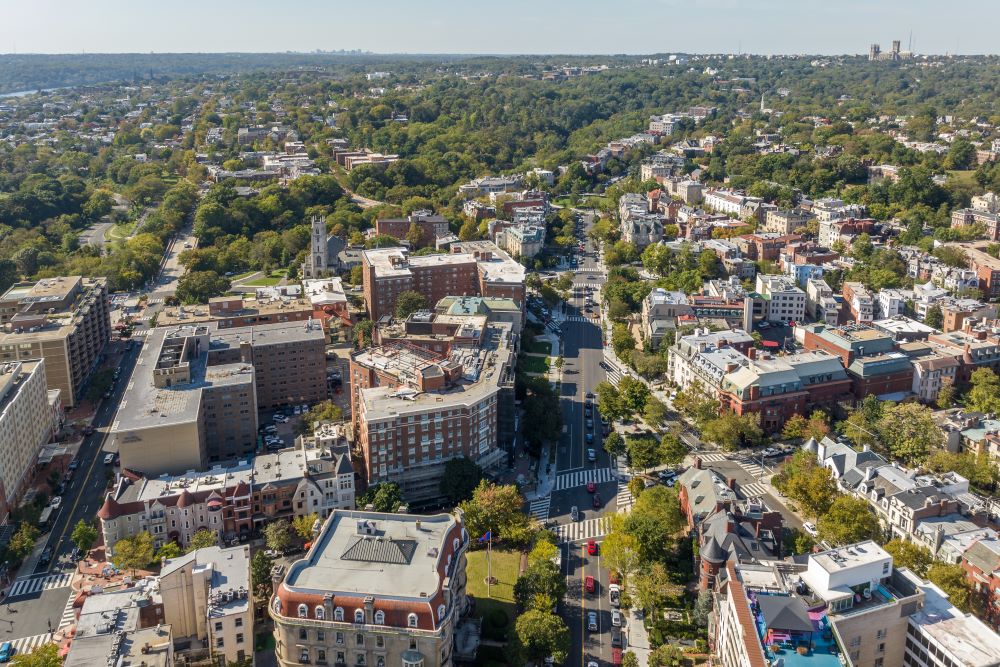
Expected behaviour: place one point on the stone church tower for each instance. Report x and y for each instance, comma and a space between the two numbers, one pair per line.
317, 264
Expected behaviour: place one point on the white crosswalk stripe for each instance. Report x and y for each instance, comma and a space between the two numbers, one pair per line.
625, 499
28, 586
539, 508
29, 644
707, 457
752, 469
753, 490
569, 480
583, 530
155, 299
140, 332
69, 614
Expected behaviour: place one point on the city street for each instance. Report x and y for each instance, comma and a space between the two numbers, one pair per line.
39, 602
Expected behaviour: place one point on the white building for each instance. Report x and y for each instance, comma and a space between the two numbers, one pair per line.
820, 303
785, 301
892, 302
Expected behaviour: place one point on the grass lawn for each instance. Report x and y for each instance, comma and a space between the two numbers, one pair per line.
506, 567
266, 281
539, 347
533, 364
964, 177
241, 276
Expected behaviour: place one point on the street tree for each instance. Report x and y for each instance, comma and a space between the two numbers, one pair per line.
260, 574
848, 520
541, 586
84, 535
539, 634
614, 444
622, 341
643, 451
383, 497
811, 485
984, 392
654, 412
278, 535
620, 552
934, 317
672, 450
543, 551
952, 580
461, 477
23, 541
652, 587
168, 550
496, 509
909, 431
666, 655
609, 402
45, 655
634, 394
133, 552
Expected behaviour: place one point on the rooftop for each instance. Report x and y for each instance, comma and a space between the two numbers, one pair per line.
968, 639
366, 553
229, 580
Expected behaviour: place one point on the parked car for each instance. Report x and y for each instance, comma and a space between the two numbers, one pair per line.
89, 430
73, 465
614, 594
590, 438
46, 557
592, 621
109, 459
6, 652
591, 453
280, 418
616, 618
810, 528
617, 639
589, 584
590, 424
592, 547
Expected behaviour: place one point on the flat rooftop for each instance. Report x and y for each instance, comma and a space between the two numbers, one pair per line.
398, 262
179, 315
48, 289
398, 560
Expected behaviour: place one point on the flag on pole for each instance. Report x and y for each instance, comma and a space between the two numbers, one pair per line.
487, 536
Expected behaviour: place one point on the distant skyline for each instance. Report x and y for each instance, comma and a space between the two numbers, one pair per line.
508, 27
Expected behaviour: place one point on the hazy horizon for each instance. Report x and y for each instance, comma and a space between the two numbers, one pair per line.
517, 27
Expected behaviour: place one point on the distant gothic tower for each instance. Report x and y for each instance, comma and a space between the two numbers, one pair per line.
318, 262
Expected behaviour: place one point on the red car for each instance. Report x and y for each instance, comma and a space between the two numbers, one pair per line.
597, 501
592, 547
591, 487
589, 585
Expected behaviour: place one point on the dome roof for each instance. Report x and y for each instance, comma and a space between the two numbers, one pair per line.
713, 552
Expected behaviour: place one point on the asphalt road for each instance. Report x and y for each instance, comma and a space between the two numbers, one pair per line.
39, 604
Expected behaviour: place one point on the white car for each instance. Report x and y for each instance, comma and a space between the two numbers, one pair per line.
56, 502
296, 410
591, 455
616, 618
109, 459
810, 528
280, 419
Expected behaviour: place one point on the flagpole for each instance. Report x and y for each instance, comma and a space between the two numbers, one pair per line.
489, 565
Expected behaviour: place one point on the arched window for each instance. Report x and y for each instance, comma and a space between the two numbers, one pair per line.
359, 615
455, 543
380, 617
276, 605
411, 620
303, 611
441, 610
338, 614
320, 612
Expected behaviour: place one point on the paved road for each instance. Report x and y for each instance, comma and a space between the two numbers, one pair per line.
41, 599
96, 235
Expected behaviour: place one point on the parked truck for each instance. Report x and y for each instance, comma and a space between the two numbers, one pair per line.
615, 595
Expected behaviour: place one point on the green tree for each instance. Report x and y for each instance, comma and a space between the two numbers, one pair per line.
539, 634
984, 394
409, 302
908, 431
910, 555
23, 541
278, 535
200, 286
951, 579
652, 587
672, 450
696, 405
947, 394
848, 520
654, 412
326, 411
633, 393
46, 655
811, 485
168, 550
496, 509
260, 573
460, 479
84, 535
934, 317
541, 586
797, 542
666, 655
362, 333
202, 539
621, 340
543, 551
654, 521
731, 431
629, 659
384, 497
609, 402
643, 451
614, 444
133, 552
303, 525
620, 550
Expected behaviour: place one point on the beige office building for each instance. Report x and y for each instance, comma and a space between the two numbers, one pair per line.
63, 320
377, 590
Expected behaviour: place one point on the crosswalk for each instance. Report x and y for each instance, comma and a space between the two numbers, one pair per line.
577, 318
709, 457
752, 467
539, 507
140, 332
583, 530
69, 613
753, 490
569, 480
155, 299
29, 644
27, 586
624, 498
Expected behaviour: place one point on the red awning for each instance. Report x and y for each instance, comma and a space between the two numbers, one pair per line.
770, 343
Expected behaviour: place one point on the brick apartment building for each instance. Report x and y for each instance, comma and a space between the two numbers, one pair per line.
63, 320
871, 357
475, 268
431, 227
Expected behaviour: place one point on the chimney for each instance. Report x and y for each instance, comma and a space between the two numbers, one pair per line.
752, 353
731, 483
697, 463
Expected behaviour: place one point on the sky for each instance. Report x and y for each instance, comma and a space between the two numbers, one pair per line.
497, 27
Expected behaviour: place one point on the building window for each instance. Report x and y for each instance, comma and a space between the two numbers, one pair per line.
218, 626
411, 620
359, 639
303, 611
359, 616
320, 613
239, 637
304, 656
303, 634
340, 638
239, 623
379, 641
380, 617
441, 611
321, 656
338, 614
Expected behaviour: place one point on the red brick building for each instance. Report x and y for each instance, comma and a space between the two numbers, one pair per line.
431, 227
